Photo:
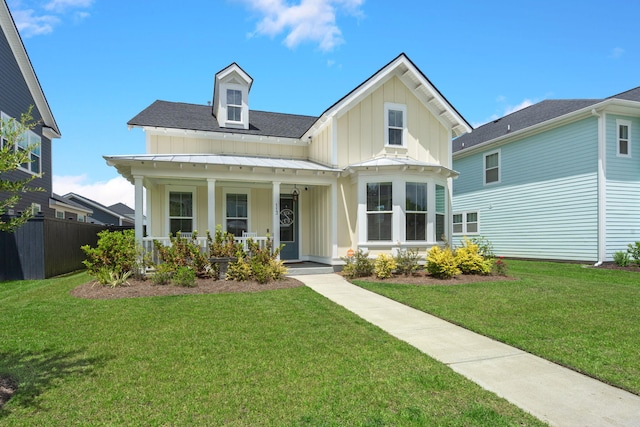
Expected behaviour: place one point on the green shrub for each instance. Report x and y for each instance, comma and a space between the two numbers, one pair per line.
442, 263
116, 251
184, 252
259, 263
184, 276
485, 248
105, 276
499, 267
359, 265
384, 266
469, 259
622, 259
162, 275
223, 244
239, 270
407, 261
634, 251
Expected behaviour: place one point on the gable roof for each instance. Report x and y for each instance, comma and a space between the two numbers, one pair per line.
8, 26
57, 200
95, 205
536, 114
177, 115
414, 78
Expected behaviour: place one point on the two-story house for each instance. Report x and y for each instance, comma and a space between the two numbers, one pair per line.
20, 90
557, 180
372, 172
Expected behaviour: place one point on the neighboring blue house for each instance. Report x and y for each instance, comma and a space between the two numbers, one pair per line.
118, 214
557, 180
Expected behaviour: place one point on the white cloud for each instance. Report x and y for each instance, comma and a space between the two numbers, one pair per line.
524, 104
115, 190
616, 52
41, 18
507, 110
309, 20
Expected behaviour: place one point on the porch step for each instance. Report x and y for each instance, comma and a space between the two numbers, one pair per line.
306, 267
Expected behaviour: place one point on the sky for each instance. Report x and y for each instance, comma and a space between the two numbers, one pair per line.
101, 62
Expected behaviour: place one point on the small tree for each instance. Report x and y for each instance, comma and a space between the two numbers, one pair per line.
12, 135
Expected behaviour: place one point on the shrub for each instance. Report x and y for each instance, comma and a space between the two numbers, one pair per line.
106, 276
116, 251
622, 259
441, 263
162, 275
184, 252
223, 244
485, 248
634, 251
184, 276
384, 266
259, 263
407, 261
469, 259
499, 267
359, 265
239, 270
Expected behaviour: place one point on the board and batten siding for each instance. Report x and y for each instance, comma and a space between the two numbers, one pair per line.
623, 188
546, 204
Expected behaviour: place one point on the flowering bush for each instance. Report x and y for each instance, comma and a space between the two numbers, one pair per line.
500, 267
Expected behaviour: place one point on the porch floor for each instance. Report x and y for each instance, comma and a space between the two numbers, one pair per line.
297, 268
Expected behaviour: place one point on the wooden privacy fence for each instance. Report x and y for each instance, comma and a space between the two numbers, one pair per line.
45, 247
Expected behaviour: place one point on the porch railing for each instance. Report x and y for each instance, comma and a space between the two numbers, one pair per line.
149, 246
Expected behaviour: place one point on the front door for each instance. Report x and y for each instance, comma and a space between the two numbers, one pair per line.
288, 227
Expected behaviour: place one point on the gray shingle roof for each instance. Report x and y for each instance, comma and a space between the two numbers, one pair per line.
177, 115
530, 116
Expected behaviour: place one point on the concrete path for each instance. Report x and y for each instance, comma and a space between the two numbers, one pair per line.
556, 395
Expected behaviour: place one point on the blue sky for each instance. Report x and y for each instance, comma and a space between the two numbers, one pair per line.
100, 62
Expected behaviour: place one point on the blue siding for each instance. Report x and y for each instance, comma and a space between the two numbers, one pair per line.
546, 203
623, 188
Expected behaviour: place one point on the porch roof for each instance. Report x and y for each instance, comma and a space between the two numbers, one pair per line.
124, 163
401, 163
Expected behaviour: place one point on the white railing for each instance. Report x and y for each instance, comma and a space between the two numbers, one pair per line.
149, 246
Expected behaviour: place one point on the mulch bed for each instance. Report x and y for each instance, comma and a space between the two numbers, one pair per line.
8, 386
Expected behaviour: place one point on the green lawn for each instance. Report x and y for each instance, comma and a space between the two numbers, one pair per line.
584, 318
278, 358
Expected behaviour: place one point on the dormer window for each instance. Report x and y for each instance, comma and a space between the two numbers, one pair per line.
234, 105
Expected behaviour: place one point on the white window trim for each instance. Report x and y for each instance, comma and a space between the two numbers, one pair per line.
36, 208
32, 138
626, 123
484, 167
58, 213
425, 212
244, 114
464, 231
400, 107
231, 190
181, 189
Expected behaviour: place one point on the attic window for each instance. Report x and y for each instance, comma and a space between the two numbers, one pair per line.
395, 117
234, 105
624, 140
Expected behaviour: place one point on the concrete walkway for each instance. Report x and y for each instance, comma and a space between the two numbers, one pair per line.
556, 395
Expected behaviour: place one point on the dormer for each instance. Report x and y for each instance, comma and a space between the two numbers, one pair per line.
231, 97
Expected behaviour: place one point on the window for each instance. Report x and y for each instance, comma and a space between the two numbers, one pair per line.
466, 223
492, 167
237, 213
82, 218
379, 210
28, 141
624, 138
60, 214
395, 124
180, 212
36, 208
234, 105
416, 211
441, 203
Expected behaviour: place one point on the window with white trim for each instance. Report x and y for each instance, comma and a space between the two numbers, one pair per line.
28, 141
36, 208
237, 213
466, 223
82, 218
416, 211
379, 211
441, 203
624, 138
234, 105
181, 212
60, 214
395, 124
492, 167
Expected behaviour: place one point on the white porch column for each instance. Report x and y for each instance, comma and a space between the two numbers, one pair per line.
334, 221
211, 205
275, 201
139, 222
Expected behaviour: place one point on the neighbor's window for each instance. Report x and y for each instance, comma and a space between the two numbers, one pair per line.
395, 124
180, 212
379, 210
237, 213
59, 214
441, 202
492, 167
416, 211
465, 223
234, 105
624, 141
82, 218
30, 142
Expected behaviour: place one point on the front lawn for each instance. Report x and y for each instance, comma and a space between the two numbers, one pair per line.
584, 318
279, 358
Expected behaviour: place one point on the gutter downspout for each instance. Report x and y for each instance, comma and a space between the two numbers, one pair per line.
602, 188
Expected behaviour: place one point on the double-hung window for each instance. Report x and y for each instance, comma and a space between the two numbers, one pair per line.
180, 212
492, 167
624, 138
379, 211
28, 142
416, 211
234, 105
465, 223
441, 203
237, 218
395, 121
